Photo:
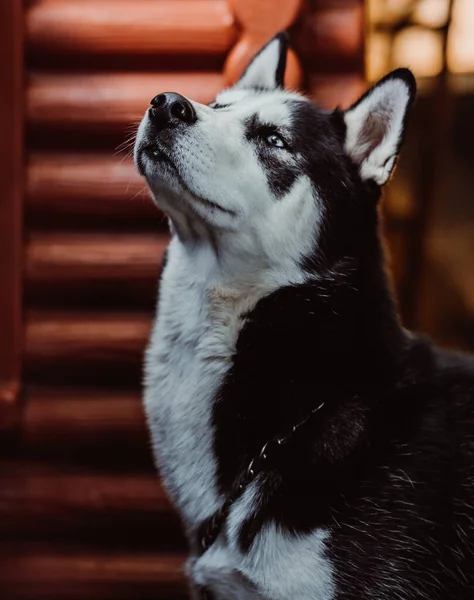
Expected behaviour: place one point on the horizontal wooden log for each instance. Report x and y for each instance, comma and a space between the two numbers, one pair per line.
55, 260
44, 501
30, 572
107, 101
86, 185
35, 493
67, 418
130, 26
97, 270
331, 37
56, 339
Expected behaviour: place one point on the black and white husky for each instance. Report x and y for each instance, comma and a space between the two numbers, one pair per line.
314, 449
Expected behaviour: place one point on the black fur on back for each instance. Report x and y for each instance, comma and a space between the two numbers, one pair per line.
387, 465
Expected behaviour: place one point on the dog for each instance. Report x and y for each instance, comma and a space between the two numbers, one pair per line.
314, 448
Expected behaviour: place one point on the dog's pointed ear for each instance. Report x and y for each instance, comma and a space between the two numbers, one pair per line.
267, 69
375, 125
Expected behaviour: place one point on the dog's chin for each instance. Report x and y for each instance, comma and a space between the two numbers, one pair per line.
154, 163
171, 190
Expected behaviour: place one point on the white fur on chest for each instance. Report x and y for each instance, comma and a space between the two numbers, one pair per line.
189, 354
278, 566
191, 348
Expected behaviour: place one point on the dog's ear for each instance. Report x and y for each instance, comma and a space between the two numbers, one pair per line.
375, 125
267, 69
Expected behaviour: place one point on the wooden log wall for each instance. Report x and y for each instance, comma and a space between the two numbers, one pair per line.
11, 210
82, 513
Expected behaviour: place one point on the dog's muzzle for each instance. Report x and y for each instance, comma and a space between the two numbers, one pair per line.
170, 109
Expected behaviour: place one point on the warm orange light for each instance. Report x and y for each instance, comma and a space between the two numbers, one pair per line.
387, 11
419, 46
420, 49
461, 38
431, 13
378, 55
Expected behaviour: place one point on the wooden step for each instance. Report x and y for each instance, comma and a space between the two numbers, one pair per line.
46, 501
87, 185
124, 27
107, 101
77, 266
34, 572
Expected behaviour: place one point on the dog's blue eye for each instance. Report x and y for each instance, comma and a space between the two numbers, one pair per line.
275, 140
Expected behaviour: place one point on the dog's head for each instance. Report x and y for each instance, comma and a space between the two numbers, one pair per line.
264, 169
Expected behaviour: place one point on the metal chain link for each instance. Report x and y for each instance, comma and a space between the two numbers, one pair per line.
210, 528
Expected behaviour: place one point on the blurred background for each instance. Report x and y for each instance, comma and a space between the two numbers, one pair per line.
82, 513
430, 203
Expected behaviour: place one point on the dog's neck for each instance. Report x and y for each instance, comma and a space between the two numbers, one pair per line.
333, 339
304, 331
337, 308
340, 325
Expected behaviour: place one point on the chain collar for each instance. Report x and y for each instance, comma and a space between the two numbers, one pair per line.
211, 527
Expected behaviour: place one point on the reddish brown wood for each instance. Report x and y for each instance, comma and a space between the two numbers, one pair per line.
11, 209
62, 418
105, 101
30, 572
330, 37
64, 339
40, 488
330, 91
130, 27
341, 4
81, 259
87, 427
86, 185
43, 500
330, 40
83, 487
104, 269
259, 22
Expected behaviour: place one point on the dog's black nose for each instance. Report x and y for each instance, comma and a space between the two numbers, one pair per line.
171, 109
